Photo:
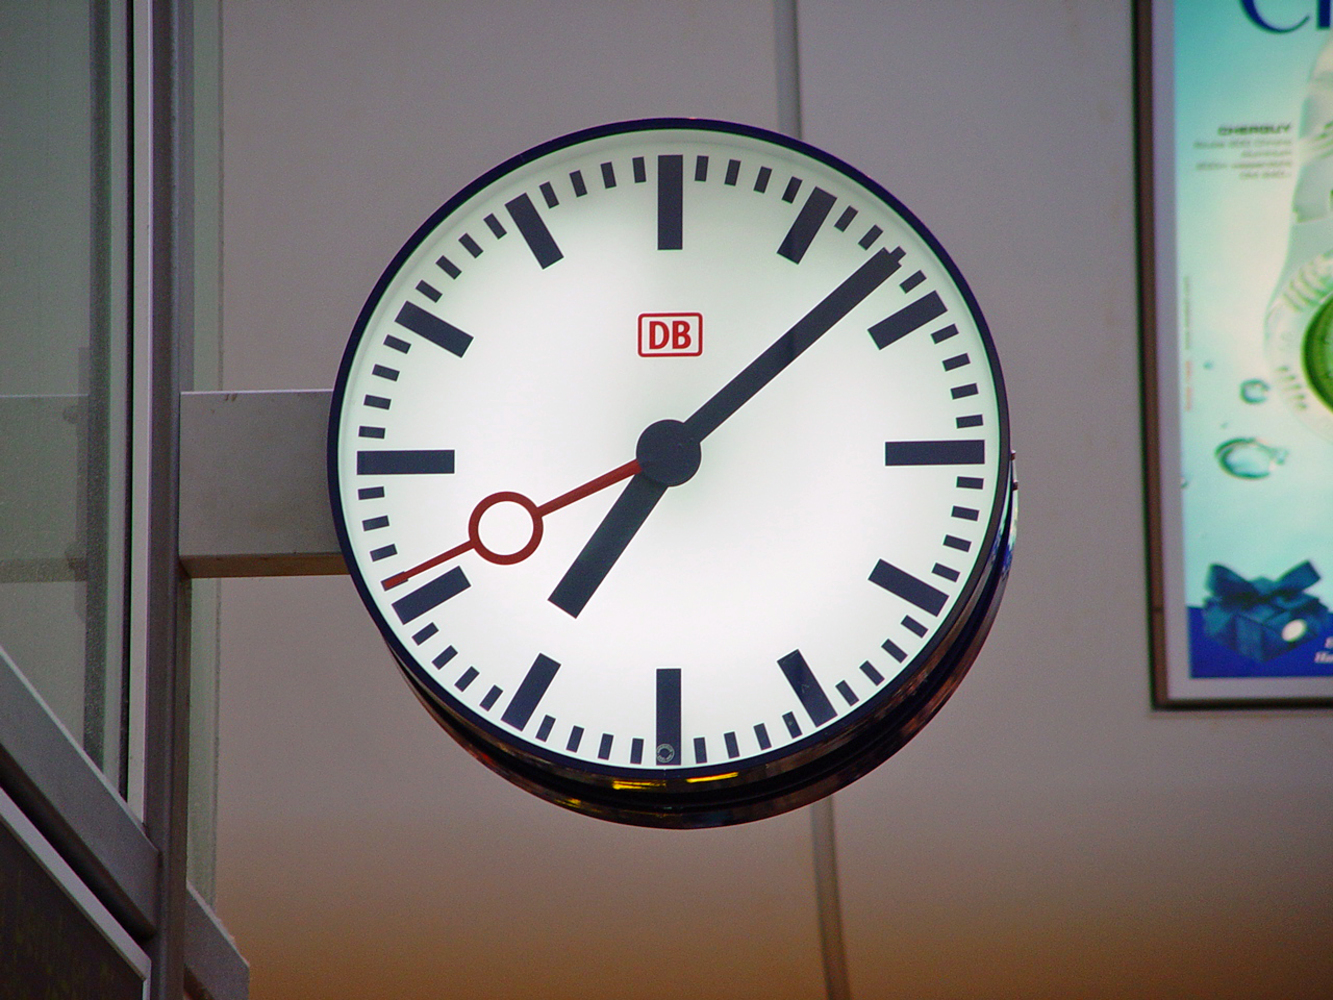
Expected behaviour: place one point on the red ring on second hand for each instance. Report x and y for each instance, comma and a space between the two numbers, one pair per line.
474, 528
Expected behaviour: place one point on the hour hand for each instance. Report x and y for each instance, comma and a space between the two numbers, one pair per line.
668, 456
592, 564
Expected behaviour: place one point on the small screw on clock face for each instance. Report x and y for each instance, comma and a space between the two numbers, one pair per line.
651, 579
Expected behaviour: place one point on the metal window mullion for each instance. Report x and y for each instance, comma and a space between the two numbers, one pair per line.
46, 773
170, 316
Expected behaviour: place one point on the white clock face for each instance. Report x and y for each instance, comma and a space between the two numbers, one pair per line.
670, 458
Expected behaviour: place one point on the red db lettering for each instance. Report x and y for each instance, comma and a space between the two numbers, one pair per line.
665, 335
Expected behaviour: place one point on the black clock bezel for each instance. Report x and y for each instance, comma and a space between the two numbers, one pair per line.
819, 763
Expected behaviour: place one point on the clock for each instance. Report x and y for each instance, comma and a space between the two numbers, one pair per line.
672, 460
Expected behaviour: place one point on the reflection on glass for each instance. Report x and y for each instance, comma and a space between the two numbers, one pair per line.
63, 372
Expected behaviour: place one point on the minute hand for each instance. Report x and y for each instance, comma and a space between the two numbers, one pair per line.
633, 506
787, 348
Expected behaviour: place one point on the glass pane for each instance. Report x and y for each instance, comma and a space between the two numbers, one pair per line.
63, 371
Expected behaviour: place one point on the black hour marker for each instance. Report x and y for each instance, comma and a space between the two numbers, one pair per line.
793, 186
530, 691
761, 182
910, 317
761, 734
492, 696
808, 220
965, 513
580, 188
374, 523
383, 553
973, 420
470, 245
969, 483
495, 226
807, 687
533, 229
868, 240
370, 493
544, 730
954, 542
428, 290
913, 626
432, 595
668, 714
963, 391
425, 634
548, 193
957, 361
908, 587
390, 373
469, 675
640, 171
894, 650
939, 336
670, 201
701, 168
875, 676
447, 654
845, 219
793, 727
911, 281
376, 433
636, 744
733, 173
397, 344
934, 452
404, 463
604, 751
848, 695
448, 267
733, 750
700, 750
575, 738
945, 572
379, 402
434, 329
608, 176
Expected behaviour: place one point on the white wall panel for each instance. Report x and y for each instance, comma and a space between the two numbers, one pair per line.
1049, 834
361, 852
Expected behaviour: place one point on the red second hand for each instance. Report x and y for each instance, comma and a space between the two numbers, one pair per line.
563, 500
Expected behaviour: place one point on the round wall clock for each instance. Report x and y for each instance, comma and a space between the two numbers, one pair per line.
672, 460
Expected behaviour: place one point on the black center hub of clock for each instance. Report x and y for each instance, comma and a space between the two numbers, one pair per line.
668, 453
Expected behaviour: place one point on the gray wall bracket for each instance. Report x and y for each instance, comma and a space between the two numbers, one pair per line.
253, 492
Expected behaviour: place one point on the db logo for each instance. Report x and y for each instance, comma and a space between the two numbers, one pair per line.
671, 335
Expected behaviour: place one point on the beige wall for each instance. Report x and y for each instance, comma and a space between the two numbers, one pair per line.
1047, 835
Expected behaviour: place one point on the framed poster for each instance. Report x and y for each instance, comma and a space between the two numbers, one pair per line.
1235, 117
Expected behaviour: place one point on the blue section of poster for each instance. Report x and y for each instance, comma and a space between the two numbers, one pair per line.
1312, 657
